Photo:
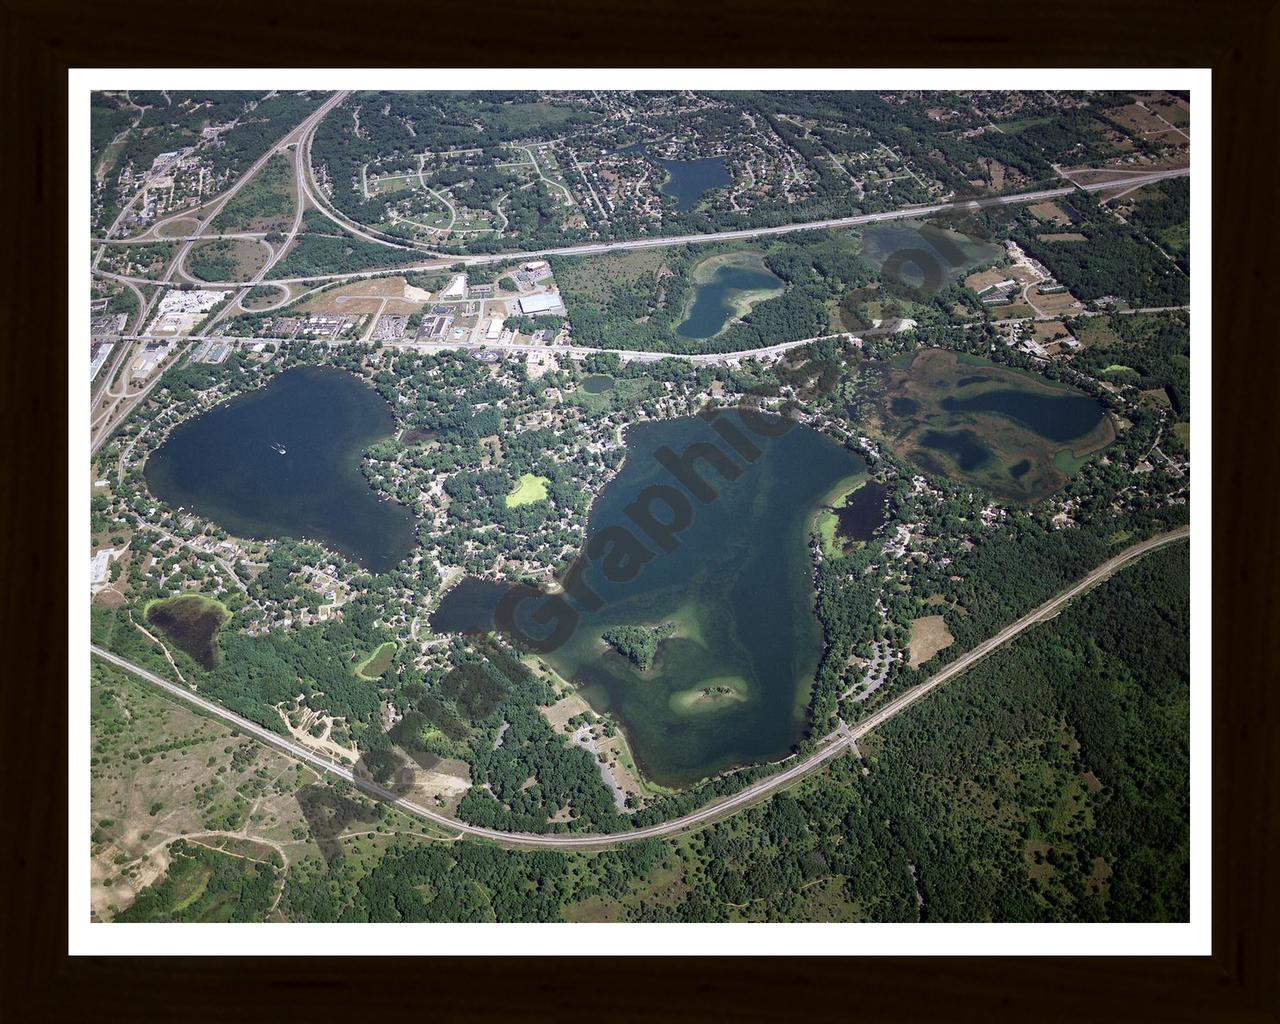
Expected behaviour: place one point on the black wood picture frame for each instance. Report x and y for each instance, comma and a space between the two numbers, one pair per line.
1239, 40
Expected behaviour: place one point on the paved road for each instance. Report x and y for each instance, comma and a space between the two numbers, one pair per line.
297, 133
300, 135
565, 350
844, 738
665, 241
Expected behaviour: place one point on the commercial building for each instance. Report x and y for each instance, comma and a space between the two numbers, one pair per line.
181, 309
98, 355
543, 302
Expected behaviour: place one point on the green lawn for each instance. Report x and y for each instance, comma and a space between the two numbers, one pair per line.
531, 488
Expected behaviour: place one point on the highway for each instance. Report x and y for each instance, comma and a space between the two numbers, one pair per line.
842, 739
665, 241
108, 421
301, 135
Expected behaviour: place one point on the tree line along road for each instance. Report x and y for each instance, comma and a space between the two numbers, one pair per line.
836, 743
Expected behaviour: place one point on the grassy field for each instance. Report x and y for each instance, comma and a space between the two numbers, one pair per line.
531, 488
378, 662
160, 771
266, 203
224, 259
178, 228
929, 635
595, 280
264, 296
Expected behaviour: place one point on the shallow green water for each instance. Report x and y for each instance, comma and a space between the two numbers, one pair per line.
597, 384
223, 466
713, 304
738, 586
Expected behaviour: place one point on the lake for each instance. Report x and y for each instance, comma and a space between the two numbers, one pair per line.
730, 290
597, 384
1057, 417
222, 465
862, 512
1008, 431
963, 446
687, 180
738, 589
192, 622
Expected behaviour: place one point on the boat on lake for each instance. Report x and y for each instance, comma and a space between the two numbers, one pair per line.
279, 448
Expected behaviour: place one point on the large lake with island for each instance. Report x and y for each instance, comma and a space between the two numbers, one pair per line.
284, 461
731, 684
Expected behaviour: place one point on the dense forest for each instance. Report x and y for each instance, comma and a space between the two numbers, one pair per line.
1049, 783
638, 643
1163, 213
1115, 260
324, 248
1150, 352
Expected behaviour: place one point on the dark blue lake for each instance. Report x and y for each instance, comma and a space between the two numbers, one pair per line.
225, 466
962, 445
863, 511
1057, 417
687, 180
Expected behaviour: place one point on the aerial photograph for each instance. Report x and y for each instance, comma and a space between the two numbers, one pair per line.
636, 506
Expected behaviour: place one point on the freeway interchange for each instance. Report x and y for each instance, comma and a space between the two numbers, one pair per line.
843, 739
666, 241
119, 403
